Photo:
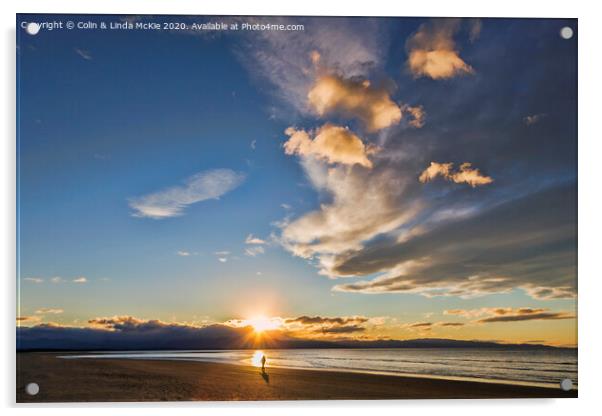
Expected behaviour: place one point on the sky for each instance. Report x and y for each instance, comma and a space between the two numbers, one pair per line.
360, 178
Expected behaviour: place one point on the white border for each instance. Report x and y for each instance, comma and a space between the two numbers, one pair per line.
589, 183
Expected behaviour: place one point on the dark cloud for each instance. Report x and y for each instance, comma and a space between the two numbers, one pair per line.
128, 332
345, 329
528, 242
451, 324
421, 325
312, 320
132, 333
527, 317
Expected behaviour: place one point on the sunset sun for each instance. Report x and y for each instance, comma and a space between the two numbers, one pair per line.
261, 323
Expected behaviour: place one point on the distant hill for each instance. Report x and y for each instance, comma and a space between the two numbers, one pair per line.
178, 337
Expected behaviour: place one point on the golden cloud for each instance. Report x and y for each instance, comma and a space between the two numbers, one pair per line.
335, 144
354, 98
432, 51
466, 174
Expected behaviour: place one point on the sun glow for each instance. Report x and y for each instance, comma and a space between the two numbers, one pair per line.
261, 323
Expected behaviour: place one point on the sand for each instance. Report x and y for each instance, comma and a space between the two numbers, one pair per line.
103, 380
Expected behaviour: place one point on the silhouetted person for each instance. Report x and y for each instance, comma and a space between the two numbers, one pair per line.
263, 360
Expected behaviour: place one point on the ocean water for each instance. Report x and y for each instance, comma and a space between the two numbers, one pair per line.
542, 367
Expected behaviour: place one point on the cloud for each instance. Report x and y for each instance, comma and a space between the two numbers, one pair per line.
547, 293
254, 251
289, 61
451, 324
34, 279
128, 332
327, 326
427, 326
526, 243
312, 320
421, 325
503, 314
432, 51
57, 279
222, 256
84, 54
254, 240
351, 98
467, 313
183, 253
254, 144
331, 143
417, 114
124, 323
533, 119
474, 30
28, 319
524, 314
466, 174
361, 205
346, 329
53, 311
171, 202
81, 279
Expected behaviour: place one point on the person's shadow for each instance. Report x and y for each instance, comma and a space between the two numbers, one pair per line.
265, 376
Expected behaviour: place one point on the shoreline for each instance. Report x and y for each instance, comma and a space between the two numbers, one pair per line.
338, 370
132, 380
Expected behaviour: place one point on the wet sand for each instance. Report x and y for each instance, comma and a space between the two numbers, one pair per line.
105, 380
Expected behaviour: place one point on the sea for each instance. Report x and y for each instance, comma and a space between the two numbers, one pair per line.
544, 367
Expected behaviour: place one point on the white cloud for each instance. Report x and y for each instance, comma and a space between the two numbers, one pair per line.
84, 54
363, 205
222, 256
81, 279
183, 253
34, 279
254, 251
254, 240
53, 311
172, 201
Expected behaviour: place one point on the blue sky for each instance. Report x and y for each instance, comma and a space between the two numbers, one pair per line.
108, 118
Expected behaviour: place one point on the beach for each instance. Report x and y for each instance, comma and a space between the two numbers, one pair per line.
106, 380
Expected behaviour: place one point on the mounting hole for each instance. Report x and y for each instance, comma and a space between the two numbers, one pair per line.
566, 32
32, 389
32, 28
566, 384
